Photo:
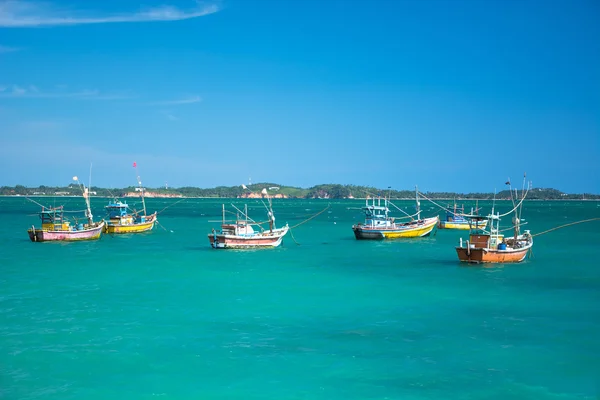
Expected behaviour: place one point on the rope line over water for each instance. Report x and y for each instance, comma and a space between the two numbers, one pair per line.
305, 221
565, 225
308, 219
170, 205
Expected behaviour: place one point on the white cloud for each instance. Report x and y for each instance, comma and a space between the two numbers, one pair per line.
6, 49
18, 91
169, 115
31, 14
187, 100
32, 92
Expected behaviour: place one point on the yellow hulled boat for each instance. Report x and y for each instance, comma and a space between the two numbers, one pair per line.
379, 225
121, 220
457, 219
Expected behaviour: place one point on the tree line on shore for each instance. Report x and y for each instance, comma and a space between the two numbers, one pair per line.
325, 191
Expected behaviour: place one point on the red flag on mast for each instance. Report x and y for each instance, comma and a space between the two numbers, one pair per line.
134, 164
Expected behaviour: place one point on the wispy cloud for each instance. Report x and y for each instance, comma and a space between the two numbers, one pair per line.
7, 49
169, 115
186, 100
32, 92
31, 14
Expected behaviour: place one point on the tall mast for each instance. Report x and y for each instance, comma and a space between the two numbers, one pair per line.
417, 202
271, 215
140, 186
86, 196
523, 194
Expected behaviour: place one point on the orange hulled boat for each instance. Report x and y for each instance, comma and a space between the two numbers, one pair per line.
491, 245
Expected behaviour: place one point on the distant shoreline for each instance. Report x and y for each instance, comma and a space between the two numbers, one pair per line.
458, 200
322, 191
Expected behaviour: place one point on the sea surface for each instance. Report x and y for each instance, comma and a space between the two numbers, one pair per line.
162, 315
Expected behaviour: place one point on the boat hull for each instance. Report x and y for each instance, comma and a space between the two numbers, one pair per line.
41, 235
115, 227
459, 225
259, 240
484, 255
411, 230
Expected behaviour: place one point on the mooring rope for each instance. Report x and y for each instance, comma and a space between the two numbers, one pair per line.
161, 225
308, 219
305, 221
170, 205
565, 225
293, 238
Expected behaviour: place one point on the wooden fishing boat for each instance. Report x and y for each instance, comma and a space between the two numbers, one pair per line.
241, 233
379, 225
455, 219
491, 245
55, 227
121, 219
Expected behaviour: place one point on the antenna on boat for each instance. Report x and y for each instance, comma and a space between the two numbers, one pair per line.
139, 181
90, 180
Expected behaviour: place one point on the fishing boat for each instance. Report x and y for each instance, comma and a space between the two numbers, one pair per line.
121, 219
455, 218
55, 226
380, 225
245, 233
491, 245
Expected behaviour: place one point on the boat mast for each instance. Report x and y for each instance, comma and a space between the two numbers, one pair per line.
271, 216
140, 186
418, 204
86, 196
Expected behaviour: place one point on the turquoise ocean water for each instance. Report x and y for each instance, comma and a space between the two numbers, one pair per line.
162, 315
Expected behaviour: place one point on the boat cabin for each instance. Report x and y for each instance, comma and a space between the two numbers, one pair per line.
240, 228
376, 215
118, 212
53, 219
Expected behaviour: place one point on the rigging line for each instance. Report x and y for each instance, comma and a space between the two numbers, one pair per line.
306, 220
565, 225
515, 207
247, 217
511, 228
111, 194
502, 215
442, 207
401, 210
33, 201
171, 205
407, 216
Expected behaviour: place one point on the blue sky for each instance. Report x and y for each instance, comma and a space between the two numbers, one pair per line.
447, 95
